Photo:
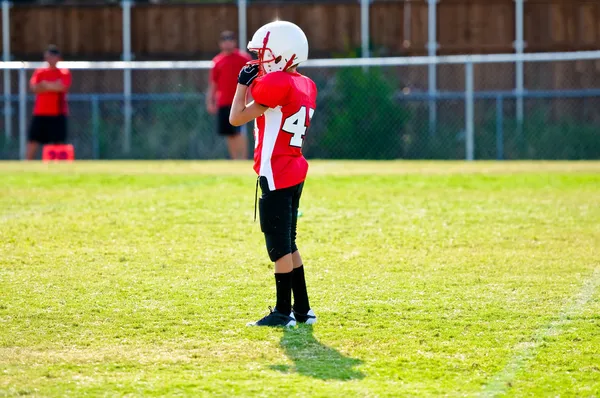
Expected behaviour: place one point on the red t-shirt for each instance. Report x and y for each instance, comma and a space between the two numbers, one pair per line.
224, 74
279, 132
51, 103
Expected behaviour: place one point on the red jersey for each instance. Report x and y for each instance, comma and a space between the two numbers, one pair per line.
279, 132
51, 103
224, 74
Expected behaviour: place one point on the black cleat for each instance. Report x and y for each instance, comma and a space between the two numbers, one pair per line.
308, 318
276, 318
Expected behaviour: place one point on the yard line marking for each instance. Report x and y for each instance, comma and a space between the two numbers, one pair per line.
525, 352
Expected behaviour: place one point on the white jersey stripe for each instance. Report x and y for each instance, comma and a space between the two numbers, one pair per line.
273, 118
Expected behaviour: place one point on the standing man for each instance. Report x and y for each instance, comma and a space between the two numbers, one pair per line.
50, 85
221, 89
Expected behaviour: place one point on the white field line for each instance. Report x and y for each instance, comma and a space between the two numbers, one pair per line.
525, 352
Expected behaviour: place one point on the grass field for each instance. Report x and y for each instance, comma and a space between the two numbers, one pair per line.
428, 279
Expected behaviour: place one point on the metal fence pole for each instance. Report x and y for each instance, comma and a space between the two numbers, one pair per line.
499, 127
364, 28
432, 47
6, 58
22, 112
128, 110
242, 23
242, 38
407, 39
95, 102
469, 112
519, 46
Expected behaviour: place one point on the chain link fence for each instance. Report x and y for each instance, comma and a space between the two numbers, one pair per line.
363, 112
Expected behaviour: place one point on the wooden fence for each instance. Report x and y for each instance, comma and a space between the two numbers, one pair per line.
191, 31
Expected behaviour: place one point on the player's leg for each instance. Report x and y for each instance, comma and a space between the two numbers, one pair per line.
241, 145
59, 130
297, 194
237, 146
225, 129
35, 137
275, 221
236, 142
231, 147
302, 310
32, 148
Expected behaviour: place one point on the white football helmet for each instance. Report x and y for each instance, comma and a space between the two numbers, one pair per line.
279, 45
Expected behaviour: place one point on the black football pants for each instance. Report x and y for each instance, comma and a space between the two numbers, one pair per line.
279, 217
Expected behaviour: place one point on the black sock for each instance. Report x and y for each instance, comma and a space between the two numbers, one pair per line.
283, 283
300, 294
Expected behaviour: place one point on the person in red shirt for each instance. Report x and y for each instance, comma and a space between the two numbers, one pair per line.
50, 85
221, 89
284, 103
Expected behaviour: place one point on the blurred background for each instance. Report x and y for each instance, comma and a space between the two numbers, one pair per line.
466, 109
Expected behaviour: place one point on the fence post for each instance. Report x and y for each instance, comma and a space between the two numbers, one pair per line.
469, 112
242, 23
6, 58
519, 46
22, 112
95, 127
242, 38
364, 28
432, 47
407, 39
499, 127
128, 111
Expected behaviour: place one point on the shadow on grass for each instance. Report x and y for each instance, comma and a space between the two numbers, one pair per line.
314, 359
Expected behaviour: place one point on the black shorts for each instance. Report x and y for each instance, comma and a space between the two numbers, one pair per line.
48, 129
279, 218
224, 127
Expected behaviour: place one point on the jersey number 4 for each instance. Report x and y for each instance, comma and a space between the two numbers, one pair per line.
297, 124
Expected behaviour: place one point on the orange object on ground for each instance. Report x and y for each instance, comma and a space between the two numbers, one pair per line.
58, 153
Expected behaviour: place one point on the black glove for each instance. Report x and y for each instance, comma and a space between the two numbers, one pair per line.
248, 74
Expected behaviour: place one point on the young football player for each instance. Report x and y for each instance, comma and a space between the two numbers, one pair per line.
284, 102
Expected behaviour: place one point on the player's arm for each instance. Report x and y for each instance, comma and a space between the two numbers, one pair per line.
211, 93
211, 104
38, 88
57, 86
35, 85
64, 83
61, 85
241, 113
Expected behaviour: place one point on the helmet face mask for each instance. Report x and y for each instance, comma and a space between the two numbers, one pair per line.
276, 45
264, 54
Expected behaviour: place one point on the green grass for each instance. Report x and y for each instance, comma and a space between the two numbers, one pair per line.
428, 279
